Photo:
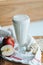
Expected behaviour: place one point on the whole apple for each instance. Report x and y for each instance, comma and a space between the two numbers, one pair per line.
8, 41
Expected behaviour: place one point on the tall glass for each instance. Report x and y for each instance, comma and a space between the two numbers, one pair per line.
21, 25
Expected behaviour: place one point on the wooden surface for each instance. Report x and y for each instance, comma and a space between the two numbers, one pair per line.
9, 8
5, 62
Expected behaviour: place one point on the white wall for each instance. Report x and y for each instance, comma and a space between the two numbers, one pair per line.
36, 28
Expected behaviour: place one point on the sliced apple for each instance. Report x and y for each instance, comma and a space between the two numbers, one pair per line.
34, 48
7, 50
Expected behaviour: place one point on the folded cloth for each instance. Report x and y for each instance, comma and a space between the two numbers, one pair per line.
37, 59
4, 32
26, 58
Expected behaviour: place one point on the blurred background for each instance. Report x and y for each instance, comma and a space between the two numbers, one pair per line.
9, 8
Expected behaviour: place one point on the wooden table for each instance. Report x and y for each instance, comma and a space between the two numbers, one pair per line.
9, 8
5, 62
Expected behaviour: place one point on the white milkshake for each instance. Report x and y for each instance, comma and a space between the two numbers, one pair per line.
21, 25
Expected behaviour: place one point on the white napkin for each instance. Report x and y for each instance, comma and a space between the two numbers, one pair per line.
4, 32
18, 57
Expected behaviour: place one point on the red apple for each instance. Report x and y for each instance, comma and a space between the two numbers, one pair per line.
8, 41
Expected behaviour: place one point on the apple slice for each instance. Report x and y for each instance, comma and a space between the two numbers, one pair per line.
34, 48
7, 50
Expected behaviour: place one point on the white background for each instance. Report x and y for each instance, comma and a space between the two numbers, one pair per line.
36, 28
